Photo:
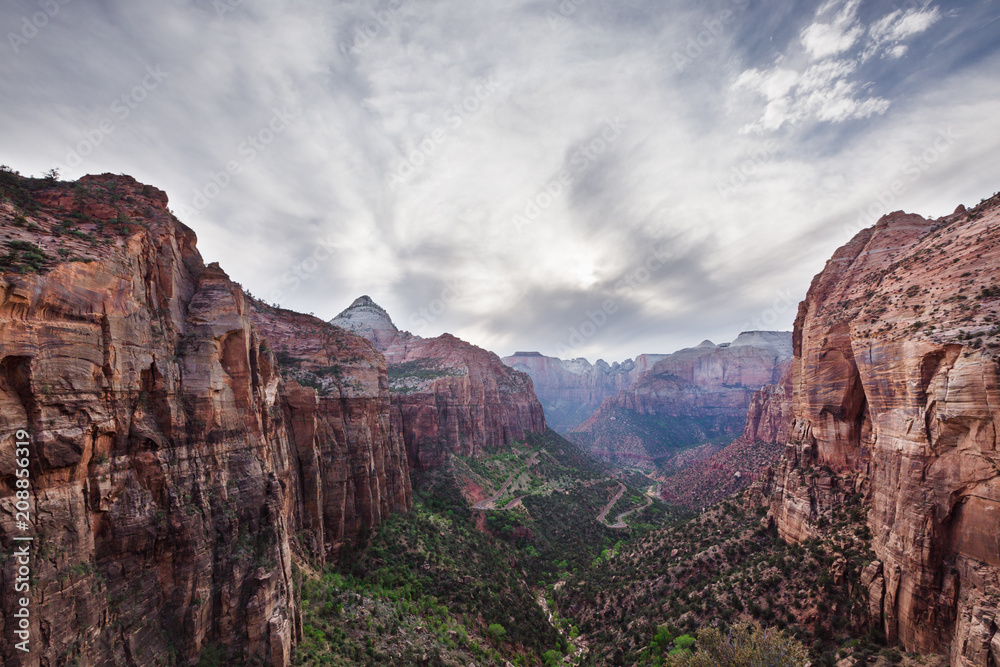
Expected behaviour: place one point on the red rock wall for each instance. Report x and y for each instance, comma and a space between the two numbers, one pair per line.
475, 404
168, 450
570, 398
688, 398
895, 383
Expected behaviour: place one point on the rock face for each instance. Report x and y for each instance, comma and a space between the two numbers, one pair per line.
448, 396
571, 390
704, 482
895, 382
351, 460
688, 398
369, 320
170, 462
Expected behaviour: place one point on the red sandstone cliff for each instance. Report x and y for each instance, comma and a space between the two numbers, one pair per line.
688, 398
895, 384
570, 390
704, 482
448, 396
171, 462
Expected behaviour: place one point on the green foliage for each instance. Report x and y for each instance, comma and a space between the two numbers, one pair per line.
745, 645
497, 632
23, 257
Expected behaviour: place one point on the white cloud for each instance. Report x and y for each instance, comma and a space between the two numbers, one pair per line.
822, 88
822, 40
886, 34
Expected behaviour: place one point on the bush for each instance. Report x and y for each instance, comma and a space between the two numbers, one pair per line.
745, 645
497, 632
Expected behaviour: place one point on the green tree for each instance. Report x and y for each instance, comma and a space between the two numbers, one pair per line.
745, 645
497, 632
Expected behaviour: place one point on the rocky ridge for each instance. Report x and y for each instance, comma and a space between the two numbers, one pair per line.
448, 396
694, 396
570, 390
173, 469
895, 382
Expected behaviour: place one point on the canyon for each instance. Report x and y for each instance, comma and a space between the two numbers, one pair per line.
196, 452
570, 390
190, 442
693, 397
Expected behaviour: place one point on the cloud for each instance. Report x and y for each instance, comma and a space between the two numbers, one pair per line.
316, 218
822, 40
823, 87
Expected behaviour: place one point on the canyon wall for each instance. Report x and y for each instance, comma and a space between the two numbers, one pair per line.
702, 482
570, 390
173, 470
695, 396
895, 382
448, 396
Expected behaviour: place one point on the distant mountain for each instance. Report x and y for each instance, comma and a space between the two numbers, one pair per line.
696, 396
570, 390
369, 320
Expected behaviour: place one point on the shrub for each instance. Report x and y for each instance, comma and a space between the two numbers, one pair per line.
497, 632
745, 645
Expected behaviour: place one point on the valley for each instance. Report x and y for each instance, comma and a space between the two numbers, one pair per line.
222, 481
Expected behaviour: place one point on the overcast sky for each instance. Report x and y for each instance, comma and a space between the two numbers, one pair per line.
594, 178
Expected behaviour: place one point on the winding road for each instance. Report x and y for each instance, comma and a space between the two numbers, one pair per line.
489, 503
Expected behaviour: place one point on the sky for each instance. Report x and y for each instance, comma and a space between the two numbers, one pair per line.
596, 178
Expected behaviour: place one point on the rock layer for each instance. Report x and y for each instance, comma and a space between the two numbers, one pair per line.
170, 464
448, 396
702, 483
895, 382
570, 390
688, 398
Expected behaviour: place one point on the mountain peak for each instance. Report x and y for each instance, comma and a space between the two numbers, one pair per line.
366, 318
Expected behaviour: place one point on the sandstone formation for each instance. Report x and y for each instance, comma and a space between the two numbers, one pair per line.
171, 464
369, 320
705, 481
697, 395
895, 382
448, 396
570, 390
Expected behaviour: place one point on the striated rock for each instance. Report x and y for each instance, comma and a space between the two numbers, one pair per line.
369, 320
571, 390
170, 462
448, 396
706, 481
696, 395
895, 382
351, 457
